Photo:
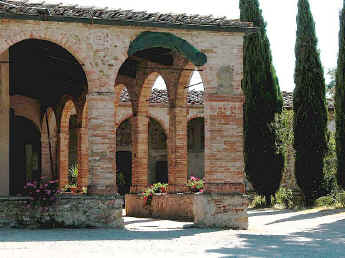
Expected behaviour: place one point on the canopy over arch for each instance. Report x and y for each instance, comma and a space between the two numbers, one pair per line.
149, 40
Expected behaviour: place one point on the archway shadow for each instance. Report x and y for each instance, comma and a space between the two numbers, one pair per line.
144, 232
311, 215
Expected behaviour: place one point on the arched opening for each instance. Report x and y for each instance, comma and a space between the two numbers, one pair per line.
196, 147
124, 156
25, 146
49, 137
36, 77
158, 153
159, 93
69, 146
157, 156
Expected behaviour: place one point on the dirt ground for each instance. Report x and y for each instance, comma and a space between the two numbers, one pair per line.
272, 233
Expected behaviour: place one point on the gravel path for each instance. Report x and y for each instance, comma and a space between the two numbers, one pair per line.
310, 233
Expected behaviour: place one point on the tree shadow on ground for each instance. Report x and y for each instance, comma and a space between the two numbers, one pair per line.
327, 240
310, 215
268, 211
48, 235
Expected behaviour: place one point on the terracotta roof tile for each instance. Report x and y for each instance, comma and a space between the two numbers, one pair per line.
75, 11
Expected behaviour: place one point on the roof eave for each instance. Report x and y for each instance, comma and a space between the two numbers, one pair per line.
128, 23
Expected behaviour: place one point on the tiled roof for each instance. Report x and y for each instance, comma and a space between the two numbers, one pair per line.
161, 97
31, 8
288, 100
197, 97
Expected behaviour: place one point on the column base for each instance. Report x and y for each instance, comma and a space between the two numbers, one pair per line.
220, 210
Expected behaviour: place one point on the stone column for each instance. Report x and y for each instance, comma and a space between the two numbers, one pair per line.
4, 125
101, 143
177, 149
139, 152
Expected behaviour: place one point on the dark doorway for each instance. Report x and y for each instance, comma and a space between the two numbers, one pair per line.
25, 153
162, 171
124, 171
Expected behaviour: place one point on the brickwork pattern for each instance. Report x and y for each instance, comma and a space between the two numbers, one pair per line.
101, 50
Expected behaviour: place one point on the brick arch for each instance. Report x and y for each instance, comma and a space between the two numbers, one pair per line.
49, 143
68, 109
59, 39
129, 116
145, 91
164, 126
118, 90
195, 116
184, 80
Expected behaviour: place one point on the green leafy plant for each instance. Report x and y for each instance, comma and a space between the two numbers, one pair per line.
155, 188
195, 184
328, 201
340, 197
258, 202
73, 172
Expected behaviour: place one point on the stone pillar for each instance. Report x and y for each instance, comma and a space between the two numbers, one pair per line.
177, 149
223, 203
139, 152
101, 143
82, 157
4, 125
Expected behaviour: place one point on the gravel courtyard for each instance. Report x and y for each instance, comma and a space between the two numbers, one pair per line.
272, 233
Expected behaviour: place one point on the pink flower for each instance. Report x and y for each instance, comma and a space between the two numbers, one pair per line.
38, 190
201, 191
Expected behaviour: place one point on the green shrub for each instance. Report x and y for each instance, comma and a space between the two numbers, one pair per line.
329, 183
288, 198
258, 202
328, 200
340, 197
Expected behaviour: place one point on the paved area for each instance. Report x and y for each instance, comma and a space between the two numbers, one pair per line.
310, 233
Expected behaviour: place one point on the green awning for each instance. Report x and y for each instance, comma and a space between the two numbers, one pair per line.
148, 39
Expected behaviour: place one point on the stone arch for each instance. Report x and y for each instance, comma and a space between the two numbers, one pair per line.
61, 40
68, 110
49, 143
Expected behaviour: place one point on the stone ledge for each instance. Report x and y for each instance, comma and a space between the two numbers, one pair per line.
72, 211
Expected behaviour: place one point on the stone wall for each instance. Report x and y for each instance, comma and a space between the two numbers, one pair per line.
67, 211
163, 206
221, 210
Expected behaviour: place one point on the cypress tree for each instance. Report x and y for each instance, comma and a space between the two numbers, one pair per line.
340, 103
263, 101
309, 105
